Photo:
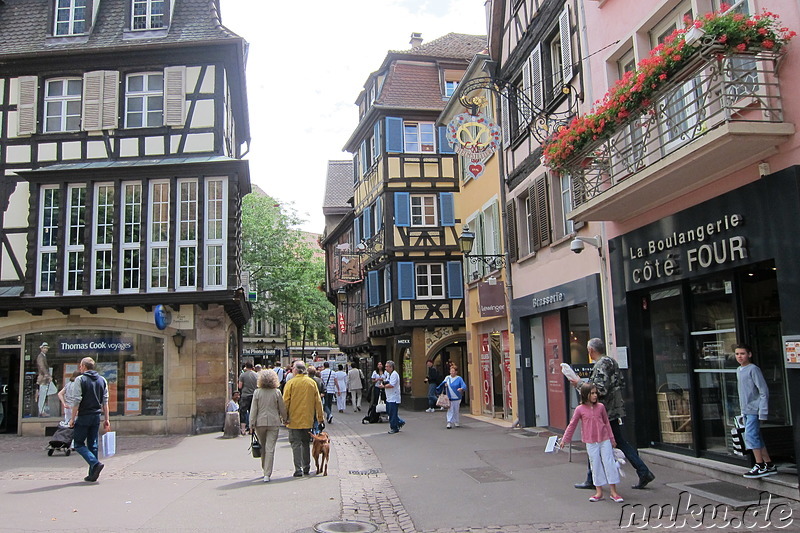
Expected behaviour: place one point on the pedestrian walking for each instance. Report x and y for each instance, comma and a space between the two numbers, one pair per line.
248, 381
754, 406
341, 388
454, 386
392, 388
329, 380
606, 377
90, 400
596, 433
433, 378
267, 415
304, 409
355, 384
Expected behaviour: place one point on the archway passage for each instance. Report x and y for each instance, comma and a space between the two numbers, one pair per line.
453, 352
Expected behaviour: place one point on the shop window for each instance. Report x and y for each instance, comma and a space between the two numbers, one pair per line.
132, 364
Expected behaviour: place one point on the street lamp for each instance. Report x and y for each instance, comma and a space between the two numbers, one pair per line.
466, 241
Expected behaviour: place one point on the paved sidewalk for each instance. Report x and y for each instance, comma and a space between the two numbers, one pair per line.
478, 478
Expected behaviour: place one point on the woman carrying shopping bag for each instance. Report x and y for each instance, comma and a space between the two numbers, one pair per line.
454, 386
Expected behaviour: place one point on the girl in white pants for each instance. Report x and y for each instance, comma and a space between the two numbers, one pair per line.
455, 387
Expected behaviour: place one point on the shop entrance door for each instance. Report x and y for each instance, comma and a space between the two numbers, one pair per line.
9, 389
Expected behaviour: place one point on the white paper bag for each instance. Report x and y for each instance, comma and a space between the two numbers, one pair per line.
552, 444
109, 441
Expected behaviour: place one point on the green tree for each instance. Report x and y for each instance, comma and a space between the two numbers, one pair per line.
283, 268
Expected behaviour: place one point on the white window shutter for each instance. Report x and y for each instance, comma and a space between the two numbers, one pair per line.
526, 81
174, 95
92, 113
537, 79
26, 107
110, 100
505, 117
566, 45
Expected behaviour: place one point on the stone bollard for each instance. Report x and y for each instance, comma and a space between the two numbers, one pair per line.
232, 425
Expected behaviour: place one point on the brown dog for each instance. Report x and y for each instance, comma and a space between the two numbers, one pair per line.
320, 449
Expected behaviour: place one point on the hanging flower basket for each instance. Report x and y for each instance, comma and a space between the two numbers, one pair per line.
729, 33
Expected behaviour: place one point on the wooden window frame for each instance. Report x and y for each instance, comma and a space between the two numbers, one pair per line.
64, 100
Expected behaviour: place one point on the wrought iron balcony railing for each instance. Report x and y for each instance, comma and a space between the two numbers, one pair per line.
708, 95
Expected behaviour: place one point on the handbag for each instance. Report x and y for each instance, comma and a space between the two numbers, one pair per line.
255, 446
380, 407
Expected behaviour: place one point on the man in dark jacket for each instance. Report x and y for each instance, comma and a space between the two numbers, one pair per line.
90, 400
433, 379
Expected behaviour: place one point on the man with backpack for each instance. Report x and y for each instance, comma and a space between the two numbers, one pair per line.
90, 399
607, 379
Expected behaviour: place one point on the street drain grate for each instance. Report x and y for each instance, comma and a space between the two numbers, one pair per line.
486, 474
735, 496
370, 472
345, 526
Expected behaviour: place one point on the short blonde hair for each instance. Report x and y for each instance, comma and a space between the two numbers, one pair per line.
268, 379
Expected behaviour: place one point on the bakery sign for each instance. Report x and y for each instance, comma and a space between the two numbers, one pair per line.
686, 251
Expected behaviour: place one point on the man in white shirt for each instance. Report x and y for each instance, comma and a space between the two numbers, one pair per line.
392, 388
329, 381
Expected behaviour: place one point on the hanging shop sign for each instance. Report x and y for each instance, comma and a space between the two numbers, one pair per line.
492, 299
161, 316
474, 137
342, 323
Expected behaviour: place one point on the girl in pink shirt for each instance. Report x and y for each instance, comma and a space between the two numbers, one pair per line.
596, 433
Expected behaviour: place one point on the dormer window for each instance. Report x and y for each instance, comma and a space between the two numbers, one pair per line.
70, 17
148, 14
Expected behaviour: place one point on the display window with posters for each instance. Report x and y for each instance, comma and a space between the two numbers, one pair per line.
132, 364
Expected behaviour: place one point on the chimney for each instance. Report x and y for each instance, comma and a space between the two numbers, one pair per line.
416, 39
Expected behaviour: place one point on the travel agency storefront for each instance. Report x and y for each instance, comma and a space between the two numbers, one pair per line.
688, 288
554, 326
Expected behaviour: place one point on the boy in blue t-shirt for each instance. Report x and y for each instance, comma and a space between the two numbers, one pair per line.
754, 404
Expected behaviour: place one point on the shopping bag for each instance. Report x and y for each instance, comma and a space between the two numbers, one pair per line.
552, 444
380, 407
568, 372
109, 440
443, 400
737, 435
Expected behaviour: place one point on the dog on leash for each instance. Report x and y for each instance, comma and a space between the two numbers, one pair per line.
320, 449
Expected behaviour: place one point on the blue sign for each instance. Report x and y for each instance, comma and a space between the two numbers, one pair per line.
163, 317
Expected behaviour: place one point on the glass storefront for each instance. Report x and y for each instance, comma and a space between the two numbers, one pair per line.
694, 327
133, 365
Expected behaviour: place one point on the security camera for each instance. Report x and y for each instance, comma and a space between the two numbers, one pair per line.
576, 246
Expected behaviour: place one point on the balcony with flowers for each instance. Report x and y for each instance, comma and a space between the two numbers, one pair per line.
705, 103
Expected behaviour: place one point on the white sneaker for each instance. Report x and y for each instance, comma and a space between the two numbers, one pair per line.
429, 410
266, 479
458, 426
448, 425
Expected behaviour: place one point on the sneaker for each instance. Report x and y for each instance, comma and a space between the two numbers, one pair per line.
330, 419
449, 425
95, 472
298, 474
757, 471
393, 431
457, 425
266, 479
772, 470
595, 499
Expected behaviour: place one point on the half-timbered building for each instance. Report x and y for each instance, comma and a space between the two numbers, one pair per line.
122, 127
405, 233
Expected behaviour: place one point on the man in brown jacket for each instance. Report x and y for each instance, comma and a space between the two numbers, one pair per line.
303, 404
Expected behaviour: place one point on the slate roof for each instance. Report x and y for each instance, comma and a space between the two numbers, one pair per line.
412, 85
452, 45
338, 186
24, 27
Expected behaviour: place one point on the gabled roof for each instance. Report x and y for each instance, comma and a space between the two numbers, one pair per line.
452, 45
24, 27
338, 187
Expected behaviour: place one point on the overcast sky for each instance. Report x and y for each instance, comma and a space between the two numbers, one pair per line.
307, 63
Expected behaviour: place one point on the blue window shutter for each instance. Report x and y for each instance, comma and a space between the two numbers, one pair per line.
402, 209
447, 212
405, 281
364, 157
444, 146
367, 216
394, 134
387, 296
455, 281
373, 287
357, 230
376, 138
356, 176
378, 214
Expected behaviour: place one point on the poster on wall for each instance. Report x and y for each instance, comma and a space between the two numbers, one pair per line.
791, 351
110, 371
133, 388
487, 393
507, 372
553, 357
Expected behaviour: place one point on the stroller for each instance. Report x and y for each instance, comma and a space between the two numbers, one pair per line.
373, 416
61, 441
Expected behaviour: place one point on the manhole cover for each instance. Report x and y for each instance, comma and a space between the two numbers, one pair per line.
486, 474
348, 526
